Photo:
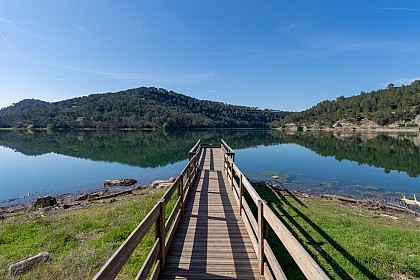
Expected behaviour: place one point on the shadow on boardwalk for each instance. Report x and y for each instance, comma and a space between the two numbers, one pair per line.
211, 241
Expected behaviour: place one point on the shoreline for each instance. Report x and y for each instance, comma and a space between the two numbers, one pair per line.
353, 129
75, 201
369, 204
68, 200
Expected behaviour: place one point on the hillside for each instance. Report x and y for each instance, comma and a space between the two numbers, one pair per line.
135, 108
22, 106
391, 107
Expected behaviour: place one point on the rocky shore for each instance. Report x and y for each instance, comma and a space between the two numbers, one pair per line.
71, 200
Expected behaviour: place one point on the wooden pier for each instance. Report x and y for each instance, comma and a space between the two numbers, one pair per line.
211, 233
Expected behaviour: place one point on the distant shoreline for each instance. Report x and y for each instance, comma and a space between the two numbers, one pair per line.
355, 130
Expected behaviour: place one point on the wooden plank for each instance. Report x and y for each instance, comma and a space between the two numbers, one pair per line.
251, 235
235, 195
194, 149
236, 189
226, 147
302, 258
150, 260
168, 194
260, 236
241, 193
272, 261
251, 191
172, 232
118, 259
156, 271
213, 261
162, 233
250, 216
214, 267
267, 273
213, 275
236, 169
173, 214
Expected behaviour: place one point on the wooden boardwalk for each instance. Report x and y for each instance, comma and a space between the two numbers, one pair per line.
204, 236
211, 241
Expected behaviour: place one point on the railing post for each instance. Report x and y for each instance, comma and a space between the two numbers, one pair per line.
181, 185
181, 195
231, 175
260, 237
161, 234
241, 194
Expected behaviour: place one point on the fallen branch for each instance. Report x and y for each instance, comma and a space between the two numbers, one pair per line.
342, 198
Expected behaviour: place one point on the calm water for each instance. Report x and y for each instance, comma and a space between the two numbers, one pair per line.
40, 163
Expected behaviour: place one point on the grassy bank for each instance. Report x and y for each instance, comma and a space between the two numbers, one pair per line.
347, 240
79, 240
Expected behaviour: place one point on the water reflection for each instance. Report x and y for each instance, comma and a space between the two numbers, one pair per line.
69, 161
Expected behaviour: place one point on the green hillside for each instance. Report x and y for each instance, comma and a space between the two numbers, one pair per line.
22, 106
394, 107
135, 108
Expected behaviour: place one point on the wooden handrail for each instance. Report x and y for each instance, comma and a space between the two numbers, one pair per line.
165, 229
227, 149
194, 150
257, 227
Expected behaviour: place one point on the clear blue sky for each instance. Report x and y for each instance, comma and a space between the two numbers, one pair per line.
286, 55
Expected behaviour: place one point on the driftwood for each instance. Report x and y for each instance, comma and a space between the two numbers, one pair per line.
28, 264
410, 201
342, 198
122, 182
401, 209
109, 195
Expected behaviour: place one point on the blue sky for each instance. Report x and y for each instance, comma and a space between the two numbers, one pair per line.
286, 55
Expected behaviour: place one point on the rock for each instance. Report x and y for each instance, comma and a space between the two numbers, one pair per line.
161, 184
112, 200
122, 182
28, 264
172, 179
44, 201
83, 196
66, 206
389, 216
275, 177
2, 217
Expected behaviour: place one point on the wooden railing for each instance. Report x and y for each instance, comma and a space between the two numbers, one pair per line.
259, 225
164, 228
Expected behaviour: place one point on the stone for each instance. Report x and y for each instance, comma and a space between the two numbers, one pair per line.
44, 201
28, 264
122, 182
161, 184
172, 179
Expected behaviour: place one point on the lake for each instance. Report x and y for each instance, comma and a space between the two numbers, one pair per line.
384, 166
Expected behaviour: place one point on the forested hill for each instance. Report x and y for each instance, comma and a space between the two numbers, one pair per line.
134, 108
22, 106
394, 106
